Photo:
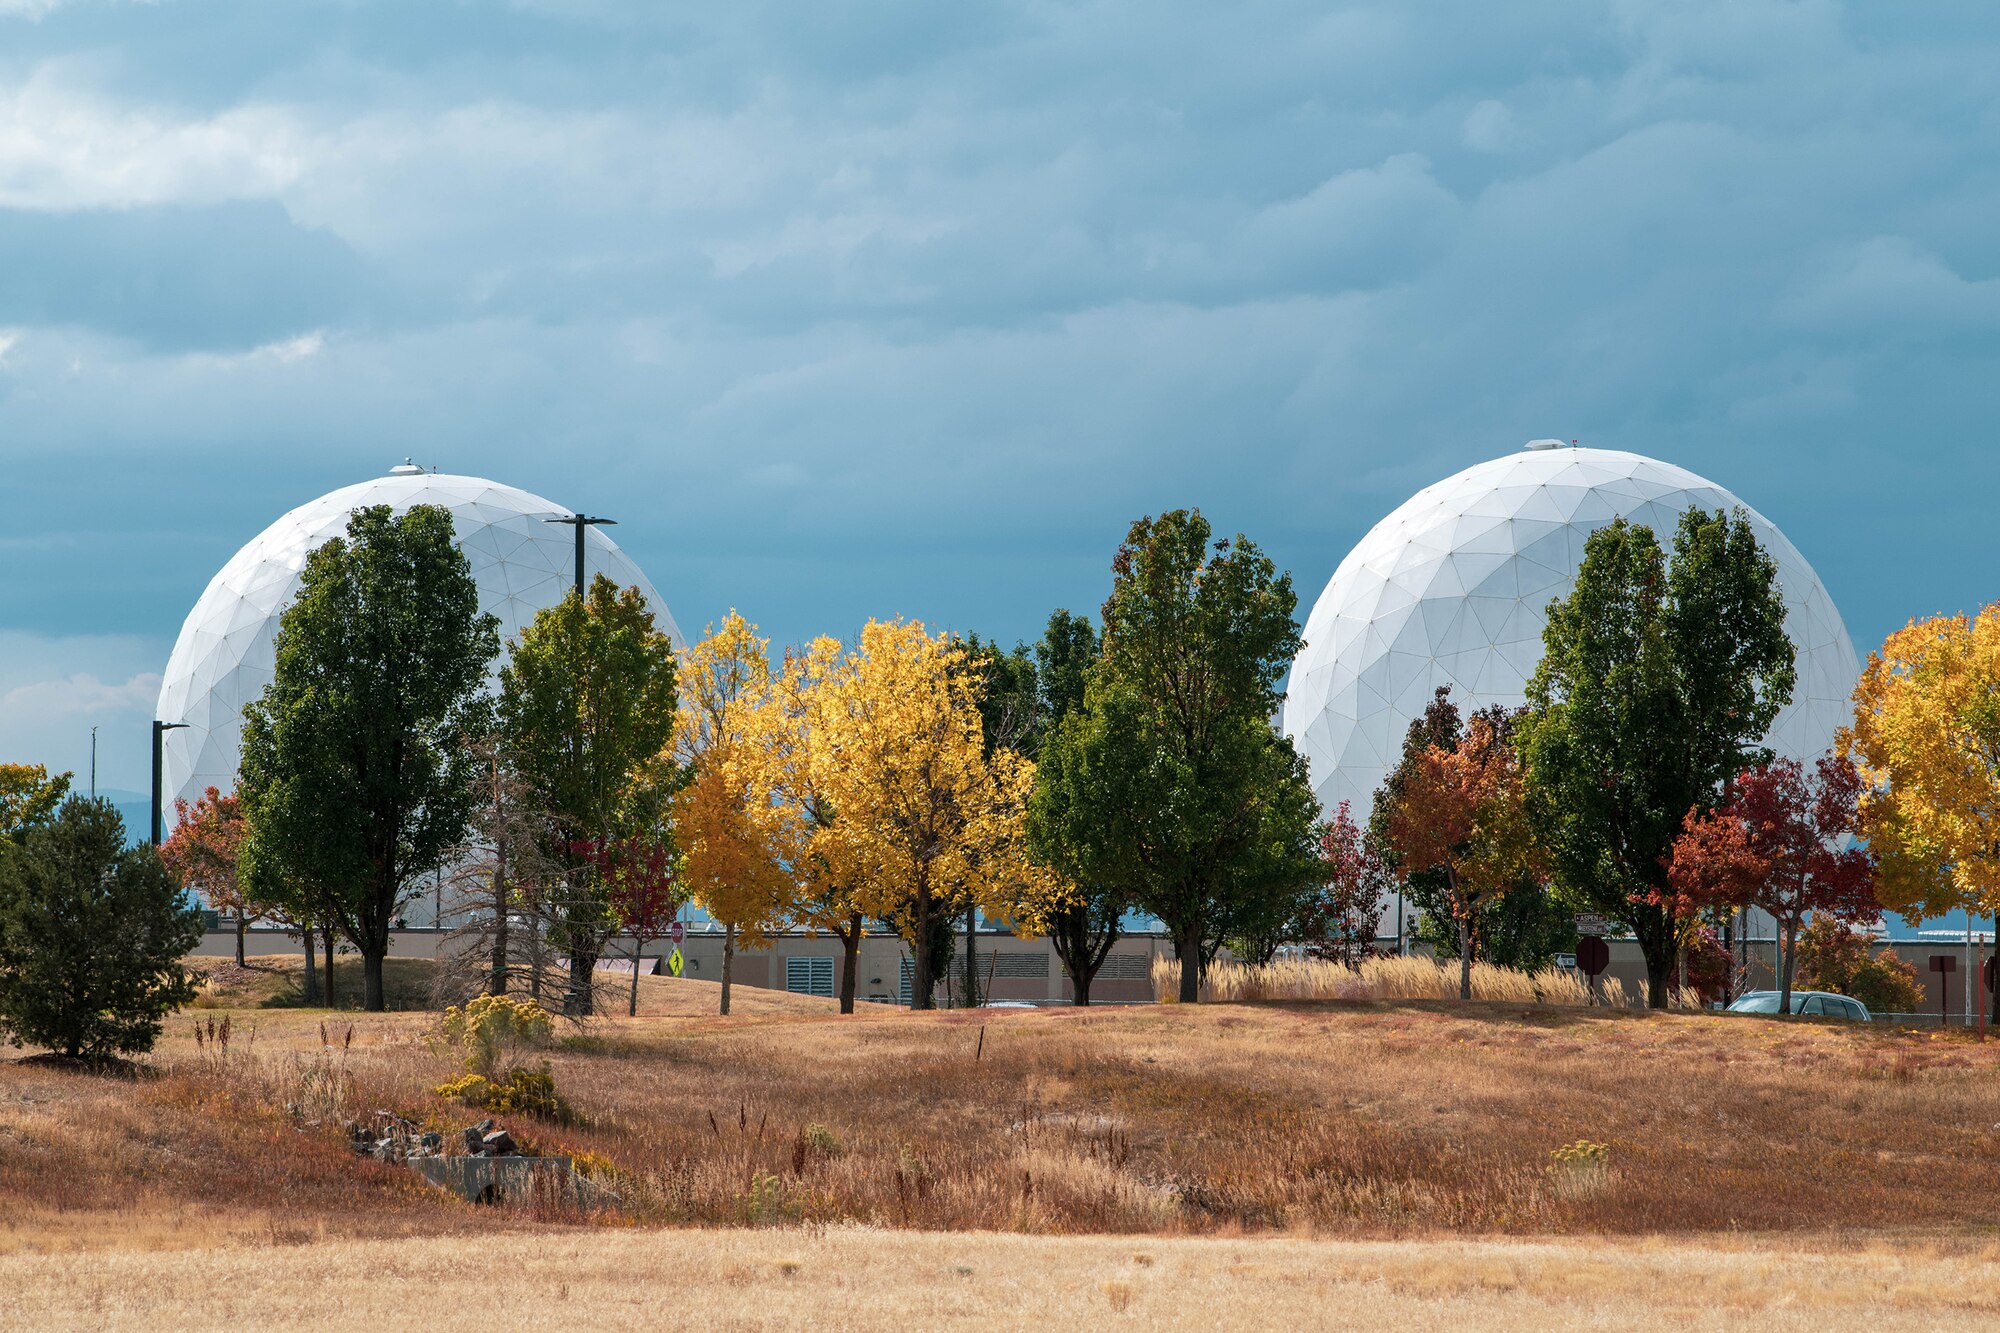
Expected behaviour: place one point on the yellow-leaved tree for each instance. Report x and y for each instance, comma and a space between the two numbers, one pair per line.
732, 859
927, 822
1926, 737
778, 770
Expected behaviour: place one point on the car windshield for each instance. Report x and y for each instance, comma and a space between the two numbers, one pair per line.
1764, 1002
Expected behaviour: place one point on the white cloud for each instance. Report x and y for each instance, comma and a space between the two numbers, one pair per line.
294, 349
63, 148
32, 10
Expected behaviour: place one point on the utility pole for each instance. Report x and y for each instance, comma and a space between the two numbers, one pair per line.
93, 763
580, 522
160, 729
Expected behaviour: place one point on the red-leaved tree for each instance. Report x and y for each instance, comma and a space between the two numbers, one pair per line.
201, 853
1779, 842
1340, 918
643, 892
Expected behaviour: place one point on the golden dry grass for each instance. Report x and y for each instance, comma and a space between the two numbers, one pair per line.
275, 981
1400, 978
1361, 1119
857, 1278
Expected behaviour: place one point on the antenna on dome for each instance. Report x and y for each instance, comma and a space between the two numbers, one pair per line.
1543, 444
406, 468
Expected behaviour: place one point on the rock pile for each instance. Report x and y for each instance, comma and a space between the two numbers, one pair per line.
388, 1137
488, 1166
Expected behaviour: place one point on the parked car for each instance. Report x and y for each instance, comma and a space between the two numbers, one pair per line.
1806, 1004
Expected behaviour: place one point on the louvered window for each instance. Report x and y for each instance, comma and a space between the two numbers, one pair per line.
1125, 967
809, 976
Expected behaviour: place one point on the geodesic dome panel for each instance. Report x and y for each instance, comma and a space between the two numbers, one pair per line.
1453, 587
225, 655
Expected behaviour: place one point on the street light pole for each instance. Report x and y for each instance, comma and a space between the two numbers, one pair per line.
160, 729
580, 522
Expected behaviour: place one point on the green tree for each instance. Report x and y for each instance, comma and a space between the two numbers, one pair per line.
358, 765
1010, 718
1092, 917
1526, 927
91, 937
1657, 683
1170, 785
587, 707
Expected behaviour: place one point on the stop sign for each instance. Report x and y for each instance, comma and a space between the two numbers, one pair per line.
1593, 955
678, 932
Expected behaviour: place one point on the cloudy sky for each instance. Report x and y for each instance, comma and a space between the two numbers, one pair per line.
900, 307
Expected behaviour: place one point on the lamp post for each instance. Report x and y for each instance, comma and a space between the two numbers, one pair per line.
159, 729
580, 522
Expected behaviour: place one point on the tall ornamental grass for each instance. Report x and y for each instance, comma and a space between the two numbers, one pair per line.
1398, 979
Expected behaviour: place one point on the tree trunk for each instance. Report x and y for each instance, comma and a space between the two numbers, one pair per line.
1079, 982
373, 999
1785, 962
580, 1000
1464, 958
312, 972
239, 936
923, 983
496, 977
326, 948
1659, 942
1187, 947
638, 948
728, 962
971, 970
1659, 972
850, 945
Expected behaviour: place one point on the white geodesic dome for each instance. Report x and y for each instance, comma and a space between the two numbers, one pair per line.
1453, 589
225, 655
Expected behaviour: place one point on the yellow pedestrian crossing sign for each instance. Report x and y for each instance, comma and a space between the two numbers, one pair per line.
674, 962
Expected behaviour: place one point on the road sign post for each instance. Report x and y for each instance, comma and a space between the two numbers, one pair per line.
1944, 965
1593, 955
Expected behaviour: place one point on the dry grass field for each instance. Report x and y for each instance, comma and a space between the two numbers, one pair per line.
855, 1278
1381, 1158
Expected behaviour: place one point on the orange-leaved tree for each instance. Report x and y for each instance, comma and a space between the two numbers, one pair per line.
1779, 842
201, 854
1926, 738
1461, 812
733, 857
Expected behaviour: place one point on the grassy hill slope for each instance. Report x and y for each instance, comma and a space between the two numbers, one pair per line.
1333, 1119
